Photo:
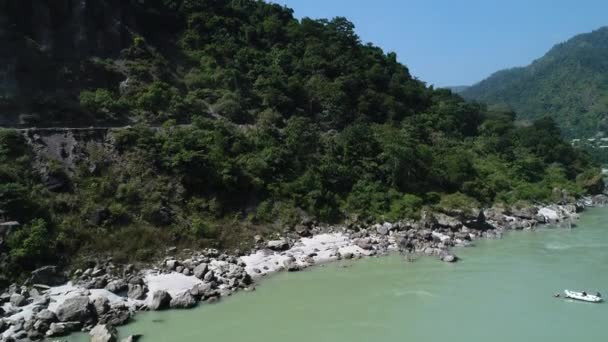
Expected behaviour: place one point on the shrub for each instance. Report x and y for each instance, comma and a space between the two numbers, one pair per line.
458, 201
30, 244
201, 228
100, 102
406, 206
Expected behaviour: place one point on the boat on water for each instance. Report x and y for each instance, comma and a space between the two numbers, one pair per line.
583, 296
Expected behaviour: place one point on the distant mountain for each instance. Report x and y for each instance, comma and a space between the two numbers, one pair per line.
569, 83
458, 89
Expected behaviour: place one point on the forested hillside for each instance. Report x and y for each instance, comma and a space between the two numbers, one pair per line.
266, 121
569, 83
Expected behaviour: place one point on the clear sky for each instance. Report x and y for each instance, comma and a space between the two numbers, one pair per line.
460, 42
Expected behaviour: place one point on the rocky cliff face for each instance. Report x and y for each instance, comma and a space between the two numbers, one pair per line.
52, 50
71, 148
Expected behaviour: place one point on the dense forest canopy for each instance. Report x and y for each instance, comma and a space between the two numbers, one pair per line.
264, 120
569, 83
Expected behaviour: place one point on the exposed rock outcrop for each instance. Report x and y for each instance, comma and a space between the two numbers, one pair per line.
161, 300
103, 333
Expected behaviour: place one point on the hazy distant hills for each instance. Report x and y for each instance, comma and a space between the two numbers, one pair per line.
569, 83
458, 89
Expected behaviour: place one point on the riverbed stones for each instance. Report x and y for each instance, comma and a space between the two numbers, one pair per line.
161, 300
103, 333
209, 276
527, 213
278, 245
445, 221
75, 309
131, 338
137, 291
291, 265
48, 275
18, 300
183, 300
47, 316
117, 286
347, 255
171, 264
201, 290
101, 305
96, 283
62, 328
118, 315
200, 270
364, 243
449, 258
384, 229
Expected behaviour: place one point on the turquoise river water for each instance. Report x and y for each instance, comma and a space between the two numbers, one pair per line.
501, 291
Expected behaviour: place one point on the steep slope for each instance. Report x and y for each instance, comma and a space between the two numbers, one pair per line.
569, 83
286, 122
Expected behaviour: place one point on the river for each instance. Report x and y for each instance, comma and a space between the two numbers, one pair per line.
502, 290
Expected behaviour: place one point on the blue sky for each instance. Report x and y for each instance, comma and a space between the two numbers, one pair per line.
460, 42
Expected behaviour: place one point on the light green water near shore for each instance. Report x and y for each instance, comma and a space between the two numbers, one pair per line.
501, 291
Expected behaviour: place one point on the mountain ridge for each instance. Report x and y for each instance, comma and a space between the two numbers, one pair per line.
568, 83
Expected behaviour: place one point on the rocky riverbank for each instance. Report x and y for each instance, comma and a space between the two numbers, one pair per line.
106, 295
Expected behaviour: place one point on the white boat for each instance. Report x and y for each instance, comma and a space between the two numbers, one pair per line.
583, 296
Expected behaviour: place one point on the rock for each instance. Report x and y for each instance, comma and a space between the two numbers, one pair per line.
202, 290
103, 333
61, 329
599, 200
347, 255
137, 291
118, 315
200, 270
132, 338
446, 221
117, 286
278, 245
171, 264
449, 258
75, 309
384, 229
96, 283
427, 219
527, 213
47, 315
291, 265
41, 326
183, 300
442, 237
209, 276
101, 305
160, 300
303, 230
18, 300
135, 280
48, 275
3, 325
364, 244
98, 271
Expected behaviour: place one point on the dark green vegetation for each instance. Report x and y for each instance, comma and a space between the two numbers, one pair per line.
288, 119
569, 83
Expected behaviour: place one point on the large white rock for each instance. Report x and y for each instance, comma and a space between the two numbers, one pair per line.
103, 333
